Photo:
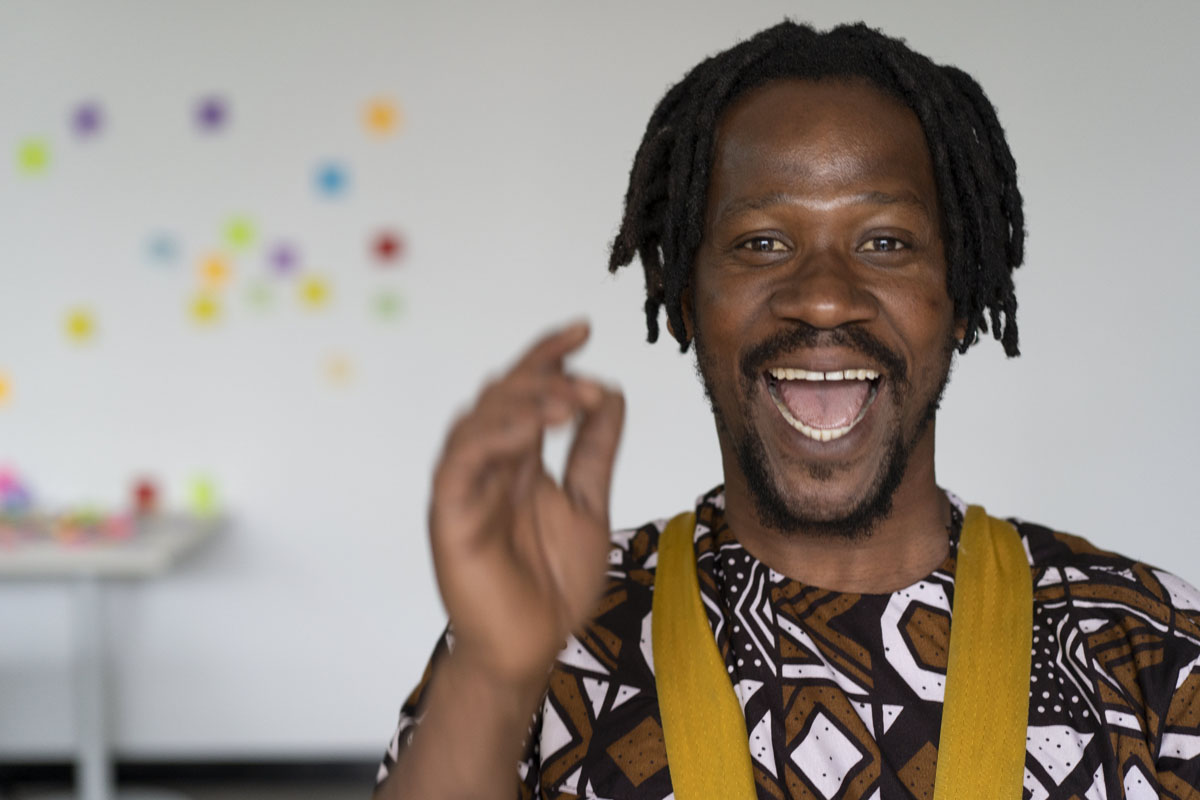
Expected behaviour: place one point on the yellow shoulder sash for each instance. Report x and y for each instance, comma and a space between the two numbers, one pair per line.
981, 753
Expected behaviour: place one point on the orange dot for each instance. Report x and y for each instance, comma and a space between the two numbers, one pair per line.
339, 369
215, 271
382, 116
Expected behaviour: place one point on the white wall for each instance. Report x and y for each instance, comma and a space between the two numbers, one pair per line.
301, 630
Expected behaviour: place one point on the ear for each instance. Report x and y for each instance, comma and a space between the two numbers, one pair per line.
960, 329
685, 305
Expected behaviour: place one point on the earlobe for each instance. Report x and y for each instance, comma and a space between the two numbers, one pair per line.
685, 306
960, 330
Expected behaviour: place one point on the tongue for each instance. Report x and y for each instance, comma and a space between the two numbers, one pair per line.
824, 404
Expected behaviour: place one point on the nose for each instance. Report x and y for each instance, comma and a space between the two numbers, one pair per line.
826, 290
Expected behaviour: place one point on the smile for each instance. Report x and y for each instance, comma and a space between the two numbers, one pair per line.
822, 405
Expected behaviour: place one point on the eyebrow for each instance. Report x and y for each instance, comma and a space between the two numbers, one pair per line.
783, 198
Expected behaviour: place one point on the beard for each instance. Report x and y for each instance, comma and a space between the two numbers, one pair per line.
773, 507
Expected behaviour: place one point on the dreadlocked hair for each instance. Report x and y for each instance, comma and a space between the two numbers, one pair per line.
981, 218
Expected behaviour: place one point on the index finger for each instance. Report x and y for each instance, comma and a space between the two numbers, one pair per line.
548, 352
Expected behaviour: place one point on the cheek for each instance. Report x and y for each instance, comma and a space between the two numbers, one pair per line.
730, 304
928, 315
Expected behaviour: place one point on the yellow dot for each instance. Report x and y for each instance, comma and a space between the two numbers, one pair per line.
5, 389
382, 117
205, 308
80, 325
314, 291
215, 271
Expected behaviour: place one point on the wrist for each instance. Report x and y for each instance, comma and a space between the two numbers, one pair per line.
514, 693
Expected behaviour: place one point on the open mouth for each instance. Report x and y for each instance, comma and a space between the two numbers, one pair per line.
823, 405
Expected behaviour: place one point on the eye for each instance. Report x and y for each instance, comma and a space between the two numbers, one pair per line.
763, 244
883, 244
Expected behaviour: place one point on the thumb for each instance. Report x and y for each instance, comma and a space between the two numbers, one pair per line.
588, 477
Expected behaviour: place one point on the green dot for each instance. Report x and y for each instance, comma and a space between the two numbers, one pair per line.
202, 496
389, 305
33, 156
259, 295
240, 233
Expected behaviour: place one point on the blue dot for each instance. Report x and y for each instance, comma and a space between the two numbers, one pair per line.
162, 248
332, 179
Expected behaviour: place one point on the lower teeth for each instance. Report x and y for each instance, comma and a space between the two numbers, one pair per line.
821, 434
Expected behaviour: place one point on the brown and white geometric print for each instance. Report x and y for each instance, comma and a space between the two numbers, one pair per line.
842, 693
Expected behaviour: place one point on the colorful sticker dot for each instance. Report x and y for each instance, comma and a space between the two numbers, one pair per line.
33, 156
388, 247
162, 248
202, 496
212, 113
5, 389
87, 119
331, 179
240, 233
215, 271
388, 305
259, 295
314, 291
205, 308
145, 497
80, 325
382, 117
283, 258
339, 369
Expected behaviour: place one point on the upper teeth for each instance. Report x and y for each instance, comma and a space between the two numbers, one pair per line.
786, 374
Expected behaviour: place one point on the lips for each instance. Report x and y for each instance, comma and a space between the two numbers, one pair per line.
823, 405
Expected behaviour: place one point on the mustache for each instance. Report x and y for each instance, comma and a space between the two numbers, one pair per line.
805, 337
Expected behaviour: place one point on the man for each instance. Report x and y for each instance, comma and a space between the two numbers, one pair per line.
827, 217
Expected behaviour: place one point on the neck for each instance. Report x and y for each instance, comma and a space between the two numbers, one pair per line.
906, 545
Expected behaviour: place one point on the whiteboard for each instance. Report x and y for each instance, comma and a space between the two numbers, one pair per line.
302, 629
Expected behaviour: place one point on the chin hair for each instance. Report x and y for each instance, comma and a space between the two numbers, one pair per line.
858, 523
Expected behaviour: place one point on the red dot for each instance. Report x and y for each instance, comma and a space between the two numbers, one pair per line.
388, 247
145, 497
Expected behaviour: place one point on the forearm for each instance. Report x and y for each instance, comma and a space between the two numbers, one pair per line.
469, 740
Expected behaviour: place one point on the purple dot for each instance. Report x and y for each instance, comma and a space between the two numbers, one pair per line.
211, 113
87, 119
283, 258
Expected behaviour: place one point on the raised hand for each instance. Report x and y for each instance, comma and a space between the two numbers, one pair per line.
520, 559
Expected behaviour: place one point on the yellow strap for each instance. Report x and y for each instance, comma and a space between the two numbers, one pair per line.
708, 751
986, 709
981, 754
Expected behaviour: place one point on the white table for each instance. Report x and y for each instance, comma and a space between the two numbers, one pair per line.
158, 543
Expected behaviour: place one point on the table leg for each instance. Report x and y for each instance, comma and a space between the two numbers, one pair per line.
94, 779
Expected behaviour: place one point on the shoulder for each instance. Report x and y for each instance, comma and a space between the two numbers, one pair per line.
1070, 569
634, 552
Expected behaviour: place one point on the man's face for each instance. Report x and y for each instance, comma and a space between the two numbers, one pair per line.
822, 254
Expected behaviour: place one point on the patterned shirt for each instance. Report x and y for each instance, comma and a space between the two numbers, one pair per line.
842, 692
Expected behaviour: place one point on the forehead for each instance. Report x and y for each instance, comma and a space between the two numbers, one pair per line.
822, 139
